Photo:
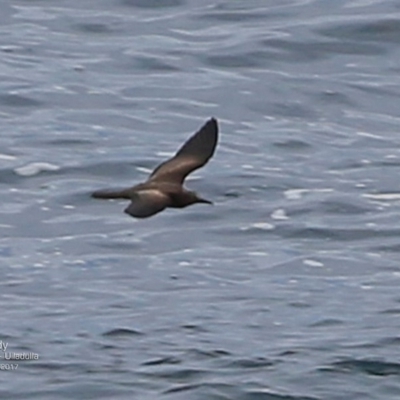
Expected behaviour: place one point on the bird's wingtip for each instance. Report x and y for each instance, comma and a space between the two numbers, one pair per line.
213, 121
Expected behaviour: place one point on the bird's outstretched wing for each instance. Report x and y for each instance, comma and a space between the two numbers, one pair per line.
192, 155
111, 194
146, 203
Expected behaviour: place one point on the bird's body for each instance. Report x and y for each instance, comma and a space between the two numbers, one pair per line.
164, 188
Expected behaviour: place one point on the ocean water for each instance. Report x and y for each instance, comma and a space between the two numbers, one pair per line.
286, 288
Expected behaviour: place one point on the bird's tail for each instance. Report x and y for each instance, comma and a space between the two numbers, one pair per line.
111, 194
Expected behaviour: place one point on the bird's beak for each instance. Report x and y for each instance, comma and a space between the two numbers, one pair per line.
200, 200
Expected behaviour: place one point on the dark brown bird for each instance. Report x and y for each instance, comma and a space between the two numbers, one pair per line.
164, 188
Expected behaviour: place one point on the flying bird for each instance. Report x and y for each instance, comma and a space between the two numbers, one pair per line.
164, 188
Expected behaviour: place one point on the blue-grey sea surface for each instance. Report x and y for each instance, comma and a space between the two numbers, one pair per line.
287, 288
